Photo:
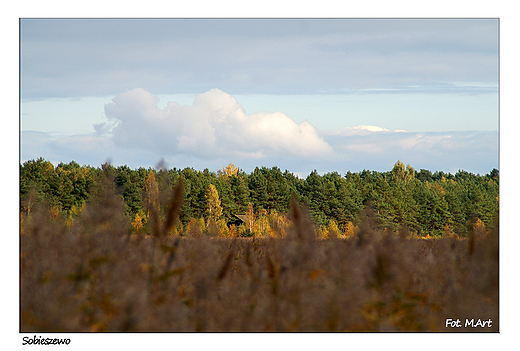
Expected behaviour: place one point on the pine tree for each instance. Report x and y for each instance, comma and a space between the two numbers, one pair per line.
258, 189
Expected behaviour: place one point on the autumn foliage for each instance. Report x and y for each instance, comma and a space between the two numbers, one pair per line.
240, 204
107, 271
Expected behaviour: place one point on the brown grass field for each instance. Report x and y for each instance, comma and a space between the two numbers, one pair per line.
93, 275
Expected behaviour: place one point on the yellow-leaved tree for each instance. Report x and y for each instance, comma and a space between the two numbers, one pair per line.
151, 193
139, 221
402, 174
213, 205
349, 229
228, 171
479, 228
250, 217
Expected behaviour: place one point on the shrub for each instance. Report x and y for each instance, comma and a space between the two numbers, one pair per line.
94, 275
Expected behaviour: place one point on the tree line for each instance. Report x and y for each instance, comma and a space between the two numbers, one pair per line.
427, 203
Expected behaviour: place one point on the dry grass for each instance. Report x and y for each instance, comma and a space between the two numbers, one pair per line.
93, 275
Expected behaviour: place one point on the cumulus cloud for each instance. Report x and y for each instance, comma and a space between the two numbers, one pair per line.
216, 125
216, 130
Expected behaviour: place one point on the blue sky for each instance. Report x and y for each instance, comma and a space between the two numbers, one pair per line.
300, 94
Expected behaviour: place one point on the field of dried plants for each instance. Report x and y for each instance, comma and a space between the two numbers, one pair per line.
95, 275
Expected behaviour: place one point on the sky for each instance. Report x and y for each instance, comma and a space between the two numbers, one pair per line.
300, 94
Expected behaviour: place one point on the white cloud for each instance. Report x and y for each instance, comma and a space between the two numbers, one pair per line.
215, 130
475, 151
357, 130
427, 142
370, 128
82, 148
215, 126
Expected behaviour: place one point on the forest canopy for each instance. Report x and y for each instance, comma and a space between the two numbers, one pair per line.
426, 203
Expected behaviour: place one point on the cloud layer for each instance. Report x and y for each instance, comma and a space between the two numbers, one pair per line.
215, 130
215, 126
371, 148
86, 57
